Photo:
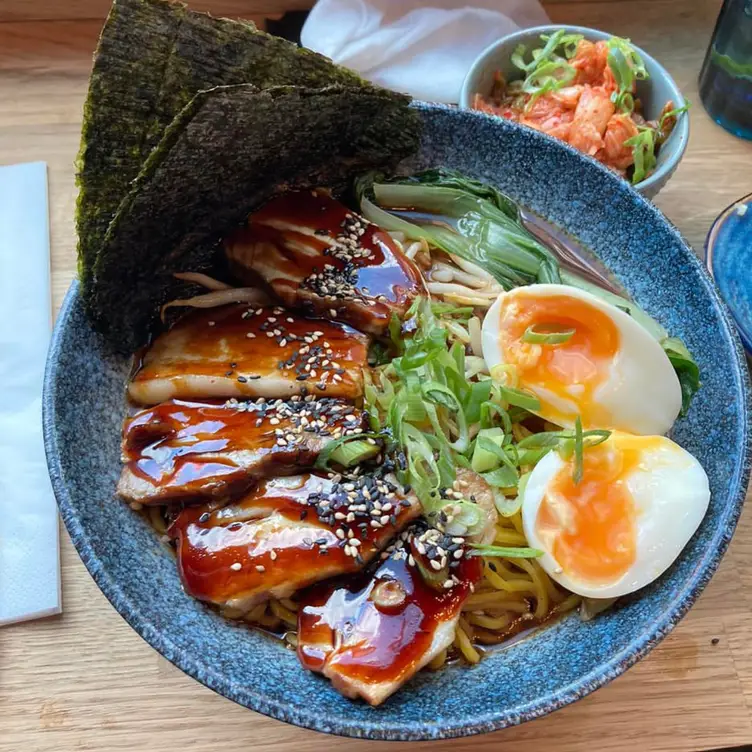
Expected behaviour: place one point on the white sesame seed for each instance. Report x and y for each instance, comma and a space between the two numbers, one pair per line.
236, 566
211, 323
250, 335
340, 533
435, 565
273, 555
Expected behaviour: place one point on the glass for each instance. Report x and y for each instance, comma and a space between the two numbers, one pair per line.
726, 75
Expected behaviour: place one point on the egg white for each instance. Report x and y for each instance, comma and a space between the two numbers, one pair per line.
641, 393
671, 494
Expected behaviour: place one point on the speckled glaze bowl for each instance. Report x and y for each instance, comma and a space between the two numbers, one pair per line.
728, 255
83, 410
654, 92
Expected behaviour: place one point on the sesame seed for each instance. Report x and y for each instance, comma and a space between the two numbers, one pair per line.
273, 555
236, 566
260, 568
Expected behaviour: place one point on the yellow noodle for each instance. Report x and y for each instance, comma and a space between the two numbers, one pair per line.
520, 432
570, 602
438, 661
516, 520
541, 606
157, 520
287, 616
489, 622
482, 601
465, 646
510, 586
256, 613
506, 537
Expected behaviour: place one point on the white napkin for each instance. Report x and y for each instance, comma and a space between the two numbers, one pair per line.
29, 545
421, 47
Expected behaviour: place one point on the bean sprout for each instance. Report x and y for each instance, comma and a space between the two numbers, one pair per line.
476, 343
202, 279
220, 297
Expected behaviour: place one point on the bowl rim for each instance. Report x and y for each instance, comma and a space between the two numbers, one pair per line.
680, 132
423, 729
745, 334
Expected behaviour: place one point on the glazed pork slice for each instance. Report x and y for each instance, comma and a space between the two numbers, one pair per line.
318, 256
372, 636
191, 451
239, 350
286, 534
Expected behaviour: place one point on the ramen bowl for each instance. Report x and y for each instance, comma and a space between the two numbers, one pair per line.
552, 666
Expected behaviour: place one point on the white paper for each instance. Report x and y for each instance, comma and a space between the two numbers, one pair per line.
421, 47
29, 537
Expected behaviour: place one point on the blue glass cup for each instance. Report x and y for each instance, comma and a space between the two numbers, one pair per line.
726, 75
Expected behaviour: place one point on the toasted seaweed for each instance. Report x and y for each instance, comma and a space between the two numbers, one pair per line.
153, 57
230, 150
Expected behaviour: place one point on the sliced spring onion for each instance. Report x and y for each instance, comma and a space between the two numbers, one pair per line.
500, 453
643, 151
431, 577
519, 398
349, 450
507, 552
578, 451
501, 477
507, 506
546, 337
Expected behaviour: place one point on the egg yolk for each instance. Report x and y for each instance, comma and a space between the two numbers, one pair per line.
590, 527
563, 376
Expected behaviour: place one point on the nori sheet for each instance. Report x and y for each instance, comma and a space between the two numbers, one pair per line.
153, 57
231, 149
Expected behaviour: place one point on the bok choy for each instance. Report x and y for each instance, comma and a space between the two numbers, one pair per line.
474, 221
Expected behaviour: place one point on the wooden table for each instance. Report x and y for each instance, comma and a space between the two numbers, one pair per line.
86, 681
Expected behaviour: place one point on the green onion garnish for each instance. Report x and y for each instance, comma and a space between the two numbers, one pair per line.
547, 337
643, 152
349, 450
506, 552
520, 399
578, 451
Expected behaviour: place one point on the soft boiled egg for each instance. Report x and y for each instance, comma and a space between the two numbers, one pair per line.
639, 501
610, 371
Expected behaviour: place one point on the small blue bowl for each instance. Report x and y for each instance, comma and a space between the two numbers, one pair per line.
654, 92
84, 406
728, 254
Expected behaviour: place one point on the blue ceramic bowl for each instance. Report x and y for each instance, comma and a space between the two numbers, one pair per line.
83, 410
654, 92
728, 254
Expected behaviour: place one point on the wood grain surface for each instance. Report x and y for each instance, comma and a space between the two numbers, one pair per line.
86, 681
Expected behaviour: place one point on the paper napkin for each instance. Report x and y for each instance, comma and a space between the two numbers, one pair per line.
421, 47
29, 544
